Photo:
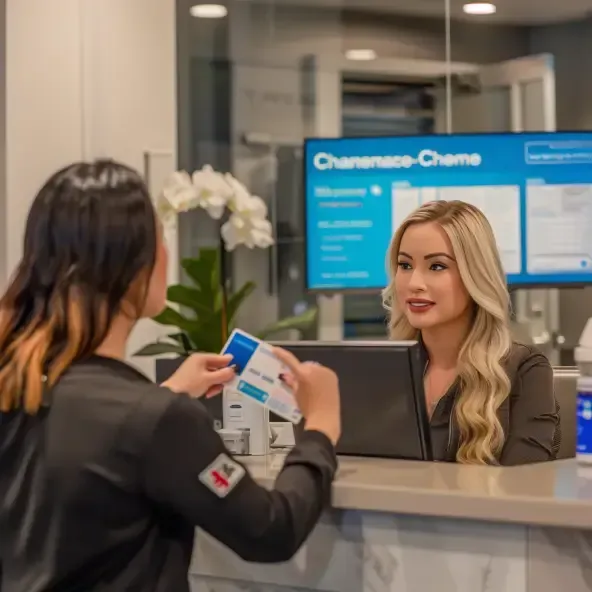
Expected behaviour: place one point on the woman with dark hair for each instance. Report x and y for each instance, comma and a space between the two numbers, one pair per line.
104, 475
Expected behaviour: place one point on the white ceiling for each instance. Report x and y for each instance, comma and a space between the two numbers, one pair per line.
522, 12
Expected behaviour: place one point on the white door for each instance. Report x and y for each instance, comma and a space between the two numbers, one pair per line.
517, 95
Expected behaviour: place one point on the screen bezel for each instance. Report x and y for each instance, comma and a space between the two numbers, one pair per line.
512, 287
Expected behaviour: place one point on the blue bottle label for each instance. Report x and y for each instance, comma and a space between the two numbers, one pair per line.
584, 424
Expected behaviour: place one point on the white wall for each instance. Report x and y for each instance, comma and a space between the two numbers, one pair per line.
130, 55
84, 78
3, 237
43, 104
131, 94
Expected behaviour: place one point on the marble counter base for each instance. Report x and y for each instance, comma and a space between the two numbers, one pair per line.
400, 526
354, 551
559, 560
364, 552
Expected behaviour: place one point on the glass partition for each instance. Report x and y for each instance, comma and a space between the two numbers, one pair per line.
256, 81
532, 77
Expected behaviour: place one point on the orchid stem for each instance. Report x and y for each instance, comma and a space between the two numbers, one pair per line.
224, 286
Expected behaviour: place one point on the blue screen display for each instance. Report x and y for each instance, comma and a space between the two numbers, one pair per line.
535, 189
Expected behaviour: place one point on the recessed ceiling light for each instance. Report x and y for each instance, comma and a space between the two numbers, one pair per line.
360, 55
479, 8
208, 11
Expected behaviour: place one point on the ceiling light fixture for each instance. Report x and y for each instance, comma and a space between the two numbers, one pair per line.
360, 55
208, 11
480, 8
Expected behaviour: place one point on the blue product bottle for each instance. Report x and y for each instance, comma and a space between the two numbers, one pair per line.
584, 421
583, 359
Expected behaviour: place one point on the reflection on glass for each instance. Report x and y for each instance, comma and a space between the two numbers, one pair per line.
246, 105
529, 76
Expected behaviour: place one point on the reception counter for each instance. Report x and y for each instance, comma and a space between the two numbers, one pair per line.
415, 527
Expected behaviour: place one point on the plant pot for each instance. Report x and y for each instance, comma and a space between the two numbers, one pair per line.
165, 367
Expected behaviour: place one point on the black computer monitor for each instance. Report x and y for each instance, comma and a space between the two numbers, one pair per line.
383, 405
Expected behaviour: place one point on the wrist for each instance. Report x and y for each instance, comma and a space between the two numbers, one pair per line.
170, 384
331, 429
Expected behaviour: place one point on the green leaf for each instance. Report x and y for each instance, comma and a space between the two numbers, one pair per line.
171, 317
208, 334
184, 340
298, 322
159, 348
236, 299
204, 271
191, 298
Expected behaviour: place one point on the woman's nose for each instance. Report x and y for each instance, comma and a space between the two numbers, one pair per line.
416, 282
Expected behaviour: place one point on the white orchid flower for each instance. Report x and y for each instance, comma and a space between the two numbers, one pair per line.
180, 192
248, 224
165, 211
240, 194
214, 191
248, 231
206, 188
254, 207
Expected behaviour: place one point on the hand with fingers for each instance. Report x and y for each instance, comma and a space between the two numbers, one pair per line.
202, 375
316, 389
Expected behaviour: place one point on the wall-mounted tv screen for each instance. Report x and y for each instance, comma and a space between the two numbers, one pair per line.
534, 188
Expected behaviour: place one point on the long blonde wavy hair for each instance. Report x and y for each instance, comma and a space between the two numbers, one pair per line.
484, 384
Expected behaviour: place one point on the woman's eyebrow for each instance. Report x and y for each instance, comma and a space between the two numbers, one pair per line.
428, 256
434, 255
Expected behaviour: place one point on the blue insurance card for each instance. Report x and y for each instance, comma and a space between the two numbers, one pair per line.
258, 375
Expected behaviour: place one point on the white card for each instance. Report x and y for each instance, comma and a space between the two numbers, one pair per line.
258, 374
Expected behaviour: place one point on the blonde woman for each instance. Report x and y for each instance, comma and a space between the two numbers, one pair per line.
490, 400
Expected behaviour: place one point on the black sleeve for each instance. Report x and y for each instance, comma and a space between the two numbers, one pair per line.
189, 470
534, 418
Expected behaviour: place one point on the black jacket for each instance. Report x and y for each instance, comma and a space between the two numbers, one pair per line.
102, 489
